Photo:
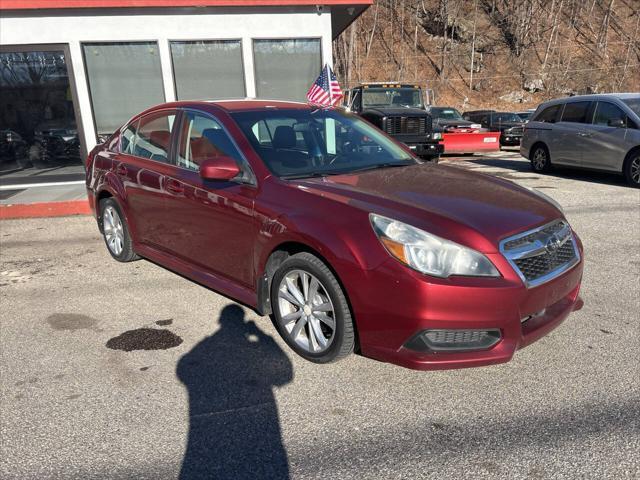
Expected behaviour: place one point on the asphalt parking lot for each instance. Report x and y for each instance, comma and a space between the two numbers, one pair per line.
222, 397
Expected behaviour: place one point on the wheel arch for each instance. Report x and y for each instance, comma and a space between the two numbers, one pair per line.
539, 143
276, 257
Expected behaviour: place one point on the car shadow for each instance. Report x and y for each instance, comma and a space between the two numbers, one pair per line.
523, 165
234, 430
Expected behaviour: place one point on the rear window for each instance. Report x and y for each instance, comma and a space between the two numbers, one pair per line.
548, 115
576, 112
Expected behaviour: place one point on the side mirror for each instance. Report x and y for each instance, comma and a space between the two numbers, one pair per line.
616, 122
219, 168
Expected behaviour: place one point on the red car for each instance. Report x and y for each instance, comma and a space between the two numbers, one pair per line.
341, 234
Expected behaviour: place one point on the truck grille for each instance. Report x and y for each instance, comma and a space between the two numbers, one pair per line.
542, 254
407, 125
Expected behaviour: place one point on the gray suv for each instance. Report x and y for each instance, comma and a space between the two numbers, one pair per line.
599, 132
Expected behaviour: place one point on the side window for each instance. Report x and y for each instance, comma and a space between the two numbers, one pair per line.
356, 99
203, 138
154, 136
606, 112
128, 137
548, 115
576, 112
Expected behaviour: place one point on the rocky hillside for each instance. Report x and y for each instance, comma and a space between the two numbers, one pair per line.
509, 54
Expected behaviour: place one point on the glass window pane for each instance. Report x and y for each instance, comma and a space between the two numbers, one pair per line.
208, 69
154, 137
124, 79
203, 138
575, 112
549, 114
285, 69
606, 112
38, 129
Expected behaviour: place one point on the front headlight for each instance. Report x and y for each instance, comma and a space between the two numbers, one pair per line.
437, 135
428, 253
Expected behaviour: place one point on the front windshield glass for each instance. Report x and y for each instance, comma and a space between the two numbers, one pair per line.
392, 97
305, 143
446, 113
525, 115
506, 117
633, 104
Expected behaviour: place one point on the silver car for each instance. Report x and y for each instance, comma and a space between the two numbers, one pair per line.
599, 132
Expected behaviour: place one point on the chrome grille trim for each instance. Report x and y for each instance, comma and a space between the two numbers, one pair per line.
542, 254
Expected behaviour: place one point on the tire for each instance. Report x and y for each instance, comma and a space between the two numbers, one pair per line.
631, 169
320, 336
540, 159
115, 231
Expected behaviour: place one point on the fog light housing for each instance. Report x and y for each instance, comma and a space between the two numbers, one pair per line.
454, 340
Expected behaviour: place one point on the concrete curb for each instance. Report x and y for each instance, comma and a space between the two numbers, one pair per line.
45, 209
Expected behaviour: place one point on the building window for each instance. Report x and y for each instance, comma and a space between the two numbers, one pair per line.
124, 79
285, 69
208, 69
38, 127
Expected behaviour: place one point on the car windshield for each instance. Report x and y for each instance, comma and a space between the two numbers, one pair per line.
525, 115
506, 117
392, 97
633, 103
304, 143
446, 113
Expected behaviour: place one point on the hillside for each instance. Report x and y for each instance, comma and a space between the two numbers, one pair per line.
495, 53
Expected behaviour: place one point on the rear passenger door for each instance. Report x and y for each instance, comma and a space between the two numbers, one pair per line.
568, 140
604, 143
144, 164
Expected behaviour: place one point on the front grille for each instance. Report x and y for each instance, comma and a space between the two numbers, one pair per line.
407, 125
540, 265
542, 254
516, 131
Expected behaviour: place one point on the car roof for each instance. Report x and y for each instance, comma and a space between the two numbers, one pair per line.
232, 105
591, 98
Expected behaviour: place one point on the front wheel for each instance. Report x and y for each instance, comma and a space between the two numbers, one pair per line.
310, 309
540, 159
632, 169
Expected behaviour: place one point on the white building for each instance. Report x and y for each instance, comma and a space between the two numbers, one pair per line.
72, 70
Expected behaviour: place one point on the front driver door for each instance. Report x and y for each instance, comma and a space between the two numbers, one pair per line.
604, 143
211, 222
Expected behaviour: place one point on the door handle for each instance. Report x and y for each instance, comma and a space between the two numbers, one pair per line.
174, 186
121, 169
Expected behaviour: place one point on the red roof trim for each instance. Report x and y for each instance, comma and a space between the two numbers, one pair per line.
60, 4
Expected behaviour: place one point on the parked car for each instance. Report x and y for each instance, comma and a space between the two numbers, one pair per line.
598, 132
460, 135
526, 114
55, 142
347, 239
398, 110
448, 119
508, 124
12, 150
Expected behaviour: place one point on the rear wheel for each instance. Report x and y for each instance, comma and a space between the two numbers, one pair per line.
115, 231
310, 309
632, 169
540, 159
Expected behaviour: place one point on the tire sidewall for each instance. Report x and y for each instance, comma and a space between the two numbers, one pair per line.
127, 252
547, 164
337, 298
627, 169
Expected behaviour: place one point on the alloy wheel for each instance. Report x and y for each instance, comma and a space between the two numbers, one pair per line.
306, 311
113, 230
539, 159
635, 169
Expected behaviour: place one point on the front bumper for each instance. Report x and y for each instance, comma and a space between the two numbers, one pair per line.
510, 140
426, 149
401, 303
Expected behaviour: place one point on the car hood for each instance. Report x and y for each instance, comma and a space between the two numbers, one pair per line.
447, 122
465, 207
511, 124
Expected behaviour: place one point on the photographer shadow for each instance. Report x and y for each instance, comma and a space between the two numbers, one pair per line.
234, 430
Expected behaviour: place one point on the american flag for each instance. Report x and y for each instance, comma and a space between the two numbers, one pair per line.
326, 89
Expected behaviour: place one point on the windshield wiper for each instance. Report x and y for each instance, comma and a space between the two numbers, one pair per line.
381, 165
309, 175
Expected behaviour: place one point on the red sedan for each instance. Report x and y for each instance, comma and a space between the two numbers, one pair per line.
343, 236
